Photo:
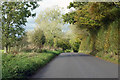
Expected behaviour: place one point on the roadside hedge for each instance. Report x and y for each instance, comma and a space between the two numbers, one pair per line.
24, 64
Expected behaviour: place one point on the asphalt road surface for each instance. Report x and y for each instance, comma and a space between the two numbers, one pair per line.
77, 65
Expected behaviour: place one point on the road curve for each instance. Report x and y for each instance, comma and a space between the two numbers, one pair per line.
77, 65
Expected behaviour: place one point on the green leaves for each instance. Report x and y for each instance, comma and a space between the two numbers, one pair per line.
24, 64
69, 17
14, 16
92, 17
37, 38
49, 21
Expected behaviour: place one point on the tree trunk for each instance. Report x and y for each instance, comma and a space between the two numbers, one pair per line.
6, 49
93, 39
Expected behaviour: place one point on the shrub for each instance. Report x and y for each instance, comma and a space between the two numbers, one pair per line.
22, 65
68, 50
26, 50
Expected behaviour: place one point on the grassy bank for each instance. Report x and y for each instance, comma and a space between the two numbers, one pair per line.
110, 57
107, 57
25, 64
106, 43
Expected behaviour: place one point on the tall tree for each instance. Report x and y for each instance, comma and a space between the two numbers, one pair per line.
50, 22
14, 17
92, 16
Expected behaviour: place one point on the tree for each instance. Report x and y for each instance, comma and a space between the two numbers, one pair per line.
49, 21
21, 43
92, 17
69, 17
63, 43
37, 38
74, 38
14, 17
75, 44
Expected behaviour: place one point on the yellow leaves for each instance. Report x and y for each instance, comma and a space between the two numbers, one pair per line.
94, 8
82, 19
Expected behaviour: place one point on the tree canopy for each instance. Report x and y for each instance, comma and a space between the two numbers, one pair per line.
49, 22
92, 16
14, 17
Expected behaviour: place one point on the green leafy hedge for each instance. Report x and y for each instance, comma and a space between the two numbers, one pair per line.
24, 64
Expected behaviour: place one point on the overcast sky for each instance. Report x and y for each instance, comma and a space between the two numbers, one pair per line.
47, 4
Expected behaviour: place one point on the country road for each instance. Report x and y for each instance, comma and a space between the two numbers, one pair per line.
77, 65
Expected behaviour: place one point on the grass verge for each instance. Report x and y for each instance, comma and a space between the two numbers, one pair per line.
25, 64
107, 57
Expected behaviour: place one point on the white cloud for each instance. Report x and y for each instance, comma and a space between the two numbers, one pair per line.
50, 3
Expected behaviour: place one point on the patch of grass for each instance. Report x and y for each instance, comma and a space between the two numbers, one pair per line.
108, 57
22, 65
68, 50
100, 54
1, 51
57, 52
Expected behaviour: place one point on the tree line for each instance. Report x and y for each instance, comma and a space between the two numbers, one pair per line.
93, 27
100, 21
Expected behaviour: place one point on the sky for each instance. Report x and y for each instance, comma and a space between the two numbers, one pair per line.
47, 4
